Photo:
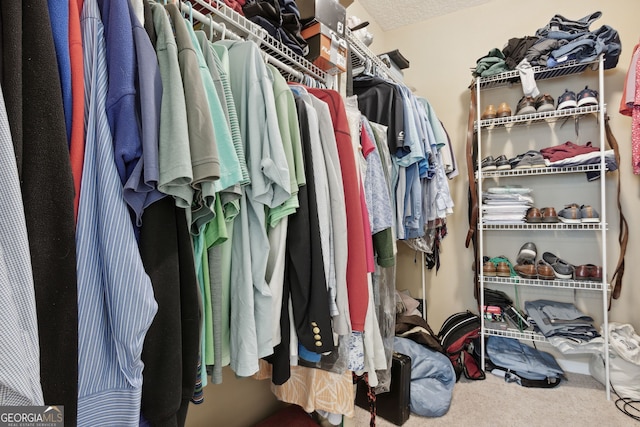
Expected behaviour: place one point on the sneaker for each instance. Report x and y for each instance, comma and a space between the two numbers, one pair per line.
567, 100
587, 97
504, 110
527, 254
488, 164
489, 112
544, 102
588, 214
570, 214
526, 105
530, 159
502, 163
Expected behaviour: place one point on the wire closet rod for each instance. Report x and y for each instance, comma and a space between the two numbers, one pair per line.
221, 28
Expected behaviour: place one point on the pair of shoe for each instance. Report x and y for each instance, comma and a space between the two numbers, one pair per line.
547, 215
490, 111
528, 160
574, 214
499, 163
584, 98
588, 272
539, 270
498, 266
540, 104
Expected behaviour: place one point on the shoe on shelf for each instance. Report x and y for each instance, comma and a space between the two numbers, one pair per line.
502, 163
570, 214
588, 272
488, 164
587, 97
549, 215
533, 215
528, 271
545, 271
504, 110
588, 214
544, 102
489, 112
561, 268
567, 100
530, 159
526, 105
503, 269
489, 269
527, 253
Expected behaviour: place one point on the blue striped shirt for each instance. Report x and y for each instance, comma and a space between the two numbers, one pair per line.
115, 299
19, 347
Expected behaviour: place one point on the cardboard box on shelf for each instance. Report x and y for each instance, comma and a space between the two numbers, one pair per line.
327, 50
328, 12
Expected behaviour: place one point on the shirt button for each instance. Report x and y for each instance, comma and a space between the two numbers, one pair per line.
316, 330
318, 343
314, 324
317, 337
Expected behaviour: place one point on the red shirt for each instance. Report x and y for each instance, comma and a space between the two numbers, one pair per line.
76, 146
357, 286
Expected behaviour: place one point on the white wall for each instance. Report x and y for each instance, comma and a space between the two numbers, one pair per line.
442, 51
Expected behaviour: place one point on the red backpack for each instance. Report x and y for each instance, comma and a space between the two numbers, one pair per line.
457, 337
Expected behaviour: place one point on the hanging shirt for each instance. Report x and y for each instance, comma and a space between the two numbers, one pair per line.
140, 190
174, 153
124, 121
251, 302
76, 145
19, 346
115, 299
205, 161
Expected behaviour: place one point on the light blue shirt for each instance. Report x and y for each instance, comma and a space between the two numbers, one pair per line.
19, 347
115, 299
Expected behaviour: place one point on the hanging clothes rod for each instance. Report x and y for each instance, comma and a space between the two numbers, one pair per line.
221, 28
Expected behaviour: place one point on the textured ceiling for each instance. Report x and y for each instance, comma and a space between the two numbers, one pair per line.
391, 14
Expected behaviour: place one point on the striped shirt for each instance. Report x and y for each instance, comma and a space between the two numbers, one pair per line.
115, 298
19, 348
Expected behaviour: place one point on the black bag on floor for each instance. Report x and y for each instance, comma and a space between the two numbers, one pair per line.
393, 405
456, 336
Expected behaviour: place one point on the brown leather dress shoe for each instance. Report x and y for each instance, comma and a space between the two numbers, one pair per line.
549, 214
489, 112
489, 269
527, 271
545, 271
588, 272
504, 110
503, 270
533, 215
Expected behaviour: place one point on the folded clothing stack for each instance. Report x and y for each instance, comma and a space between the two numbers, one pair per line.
506, 205
554, 318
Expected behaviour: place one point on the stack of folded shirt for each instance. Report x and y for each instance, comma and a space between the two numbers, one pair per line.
570, 154
552, 318
506, 205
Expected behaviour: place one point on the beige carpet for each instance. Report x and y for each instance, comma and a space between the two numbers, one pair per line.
579, 401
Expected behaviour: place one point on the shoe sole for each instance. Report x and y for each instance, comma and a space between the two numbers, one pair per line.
546, 108
562, 276
526, 110
489, 168
587, 101
552, 220
590, 220
534, 220
567, 104
570, 221
503, 167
